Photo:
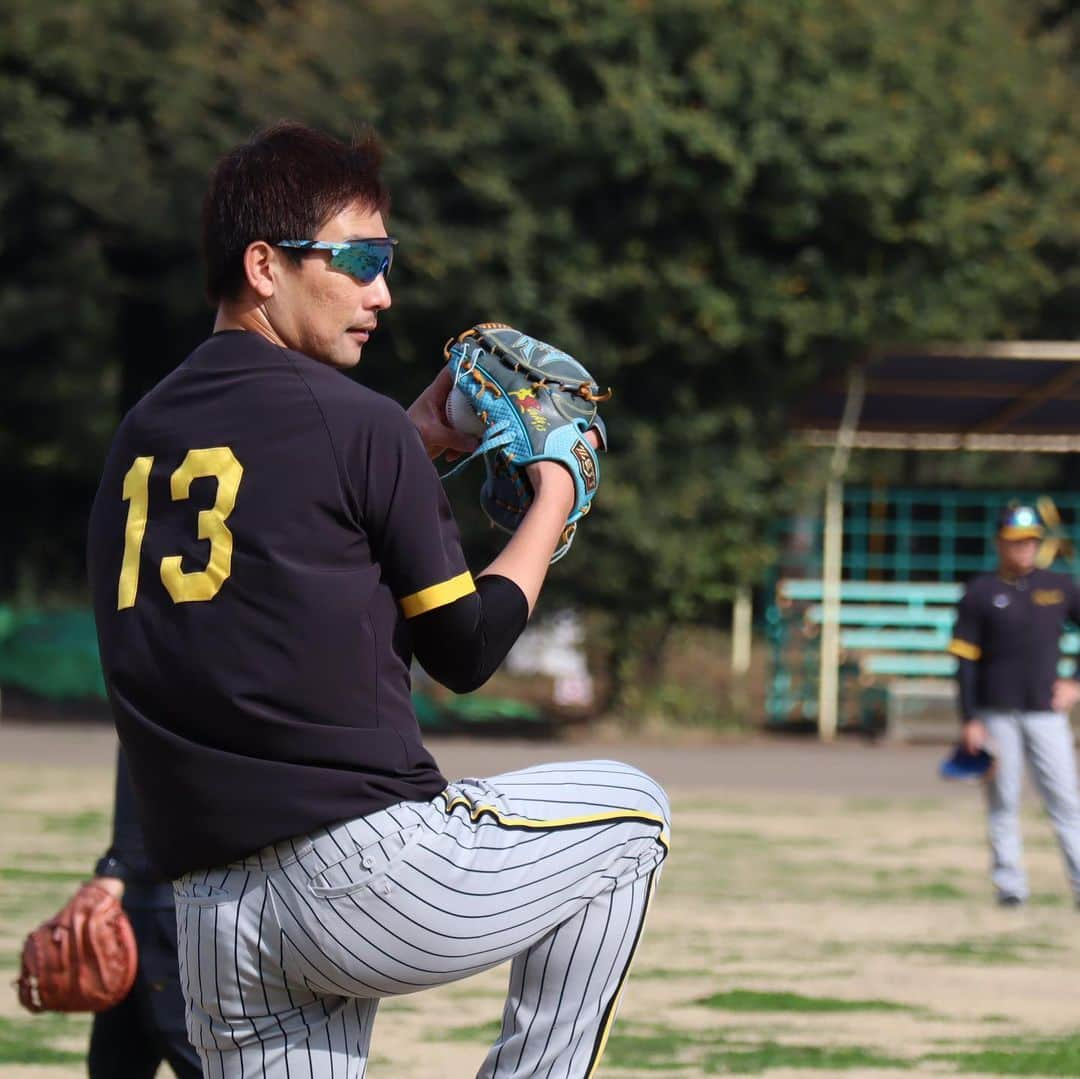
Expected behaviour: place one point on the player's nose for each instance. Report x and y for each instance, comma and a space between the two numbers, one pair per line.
377, 294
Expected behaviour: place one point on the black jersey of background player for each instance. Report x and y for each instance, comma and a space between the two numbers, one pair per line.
1011, 630
262, 525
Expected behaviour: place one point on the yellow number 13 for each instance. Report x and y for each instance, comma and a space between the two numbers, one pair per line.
219, 462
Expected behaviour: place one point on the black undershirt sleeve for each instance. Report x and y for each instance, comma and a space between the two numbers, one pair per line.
966, 645
126, 857
965, 678
461, 644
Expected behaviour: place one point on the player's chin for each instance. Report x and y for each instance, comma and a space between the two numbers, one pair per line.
349, 348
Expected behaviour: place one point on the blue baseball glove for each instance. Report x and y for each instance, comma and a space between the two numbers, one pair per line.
526, 401
960, 764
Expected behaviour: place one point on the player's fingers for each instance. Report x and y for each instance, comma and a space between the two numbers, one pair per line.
457, 440
432, 401
441, 385
597, 434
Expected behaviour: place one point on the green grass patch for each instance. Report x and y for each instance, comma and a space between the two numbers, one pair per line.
732, 836
751, 1000
832, 949
478, 1032
640, 1048
991, 951
464, 992
655, 1050
43, 859
90, 822
1023, 1055
1049, 900
833, 1058
29, 1039
397, 1004
870, 805
681, 1052
889, 887
938, 890
668, 974
13, 875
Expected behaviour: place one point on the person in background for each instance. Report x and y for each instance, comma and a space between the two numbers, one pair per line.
1007, 639
131, 1040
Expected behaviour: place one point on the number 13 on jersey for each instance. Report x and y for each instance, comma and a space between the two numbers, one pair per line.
198, 585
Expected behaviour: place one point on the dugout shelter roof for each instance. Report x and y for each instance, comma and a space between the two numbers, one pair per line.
995, 395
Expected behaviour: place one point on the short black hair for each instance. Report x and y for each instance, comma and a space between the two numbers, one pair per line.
284, 184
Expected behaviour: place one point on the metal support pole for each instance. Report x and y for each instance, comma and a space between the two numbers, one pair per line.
832, 560
741, 630
742, 621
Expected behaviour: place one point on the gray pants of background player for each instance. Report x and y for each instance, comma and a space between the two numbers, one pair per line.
1046, 740
284, 955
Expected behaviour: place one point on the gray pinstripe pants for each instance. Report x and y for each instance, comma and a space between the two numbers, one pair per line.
284, 955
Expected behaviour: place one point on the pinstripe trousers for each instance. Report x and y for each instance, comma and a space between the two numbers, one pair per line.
284, 955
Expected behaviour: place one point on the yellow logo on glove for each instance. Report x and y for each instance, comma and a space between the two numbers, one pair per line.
530, 408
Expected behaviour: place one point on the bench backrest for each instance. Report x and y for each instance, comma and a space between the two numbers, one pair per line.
910, 593
895, 628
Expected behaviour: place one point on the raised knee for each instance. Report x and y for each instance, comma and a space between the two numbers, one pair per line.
643, 793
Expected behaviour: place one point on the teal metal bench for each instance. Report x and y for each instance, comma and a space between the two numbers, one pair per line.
909, 592
887, 614
929, 666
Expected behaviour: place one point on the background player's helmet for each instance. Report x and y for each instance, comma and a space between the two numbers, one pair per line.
1017, 521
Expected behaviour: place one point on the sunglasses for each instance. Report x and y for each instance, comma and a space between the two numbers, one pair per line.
362, 259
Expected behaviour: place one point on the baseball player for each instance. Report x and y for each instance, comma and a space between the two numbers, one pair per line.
1007, 640
269, 548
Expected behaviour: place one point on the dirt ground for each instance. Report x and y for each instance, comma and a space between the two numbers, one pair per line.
825, 911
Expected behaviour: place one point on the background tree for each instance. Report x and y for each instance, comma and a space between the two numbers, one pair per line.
114, 112
710, 202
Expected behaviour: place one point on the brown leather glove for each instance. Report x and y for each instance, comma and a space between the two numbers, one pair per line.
83, 959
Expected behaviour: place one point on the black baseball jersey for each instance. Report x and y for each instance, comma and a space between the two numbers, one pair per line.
1010, 630
263, 532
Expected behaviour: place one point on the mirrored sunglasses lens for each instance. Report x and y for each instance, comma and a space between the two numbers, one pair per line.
365, 262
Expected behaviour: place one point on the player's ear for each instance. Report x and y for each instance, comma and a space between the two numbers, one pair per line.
260, 266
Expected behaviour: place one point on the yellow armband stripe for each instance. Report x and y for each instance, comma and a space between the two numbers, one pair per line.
964, 649
437, 595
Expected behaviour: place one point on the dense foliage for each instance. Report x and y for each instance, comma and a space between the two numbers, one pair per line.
709, 201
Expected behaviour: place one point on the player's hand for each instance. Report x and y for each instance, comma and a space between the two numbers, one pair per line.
1065, 695
554, 476
550, 480
428, 413
973, 736
113, 885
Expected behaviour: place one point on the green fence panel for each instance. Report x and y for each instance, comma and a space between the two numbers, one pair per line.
52, 654
906, 554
